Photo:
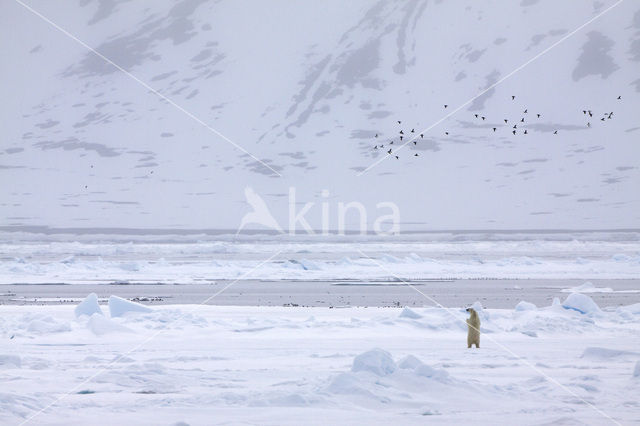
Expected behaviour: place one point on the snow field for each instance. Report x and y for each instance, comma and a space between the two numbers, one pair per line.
206, 364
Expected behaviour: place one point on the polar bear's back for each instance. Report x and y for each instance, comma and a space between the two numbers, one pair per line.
473, 323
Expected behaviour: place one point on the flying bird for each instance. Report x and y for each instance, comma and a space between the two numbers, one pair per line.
604, 117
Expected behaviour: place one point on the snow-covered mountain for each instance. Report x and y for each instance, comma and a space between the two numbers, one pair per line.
305, 87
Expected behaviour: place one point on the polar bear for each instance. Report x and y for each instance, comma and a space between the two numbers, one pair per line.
473, 323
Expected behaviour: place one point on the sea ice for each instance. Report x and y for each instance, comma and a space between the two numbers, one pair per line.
119, 306
606, 354
376, 361
525, 306
408, 313
409, 362
47, 325
289, 360
101, 325
88, 306
10, 361
477, 306
581, 303
587, 287
421, 369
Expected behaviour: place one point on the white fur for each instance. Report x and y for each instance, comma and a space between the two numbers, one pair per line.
473, 323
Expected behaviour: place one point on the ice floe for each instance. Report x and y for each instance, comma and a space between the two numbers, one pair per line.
88, 306
119, 306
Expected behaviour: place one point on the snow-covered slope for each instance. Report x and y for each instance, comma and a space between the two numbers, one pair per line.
304, 86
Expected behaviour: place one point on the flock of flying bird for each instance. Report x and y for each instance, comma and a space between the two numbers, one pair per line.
514, 129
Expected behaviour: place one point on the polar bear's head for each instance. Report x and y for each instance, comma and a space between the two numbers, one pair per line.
474, 314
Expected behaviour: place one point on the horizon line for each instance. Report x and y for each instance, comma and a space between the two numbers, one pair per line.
50, 230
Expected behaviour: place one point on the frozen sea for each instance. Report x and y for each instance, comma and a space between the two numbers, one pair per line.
338, 330
201, 365
505, 293
452, 268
